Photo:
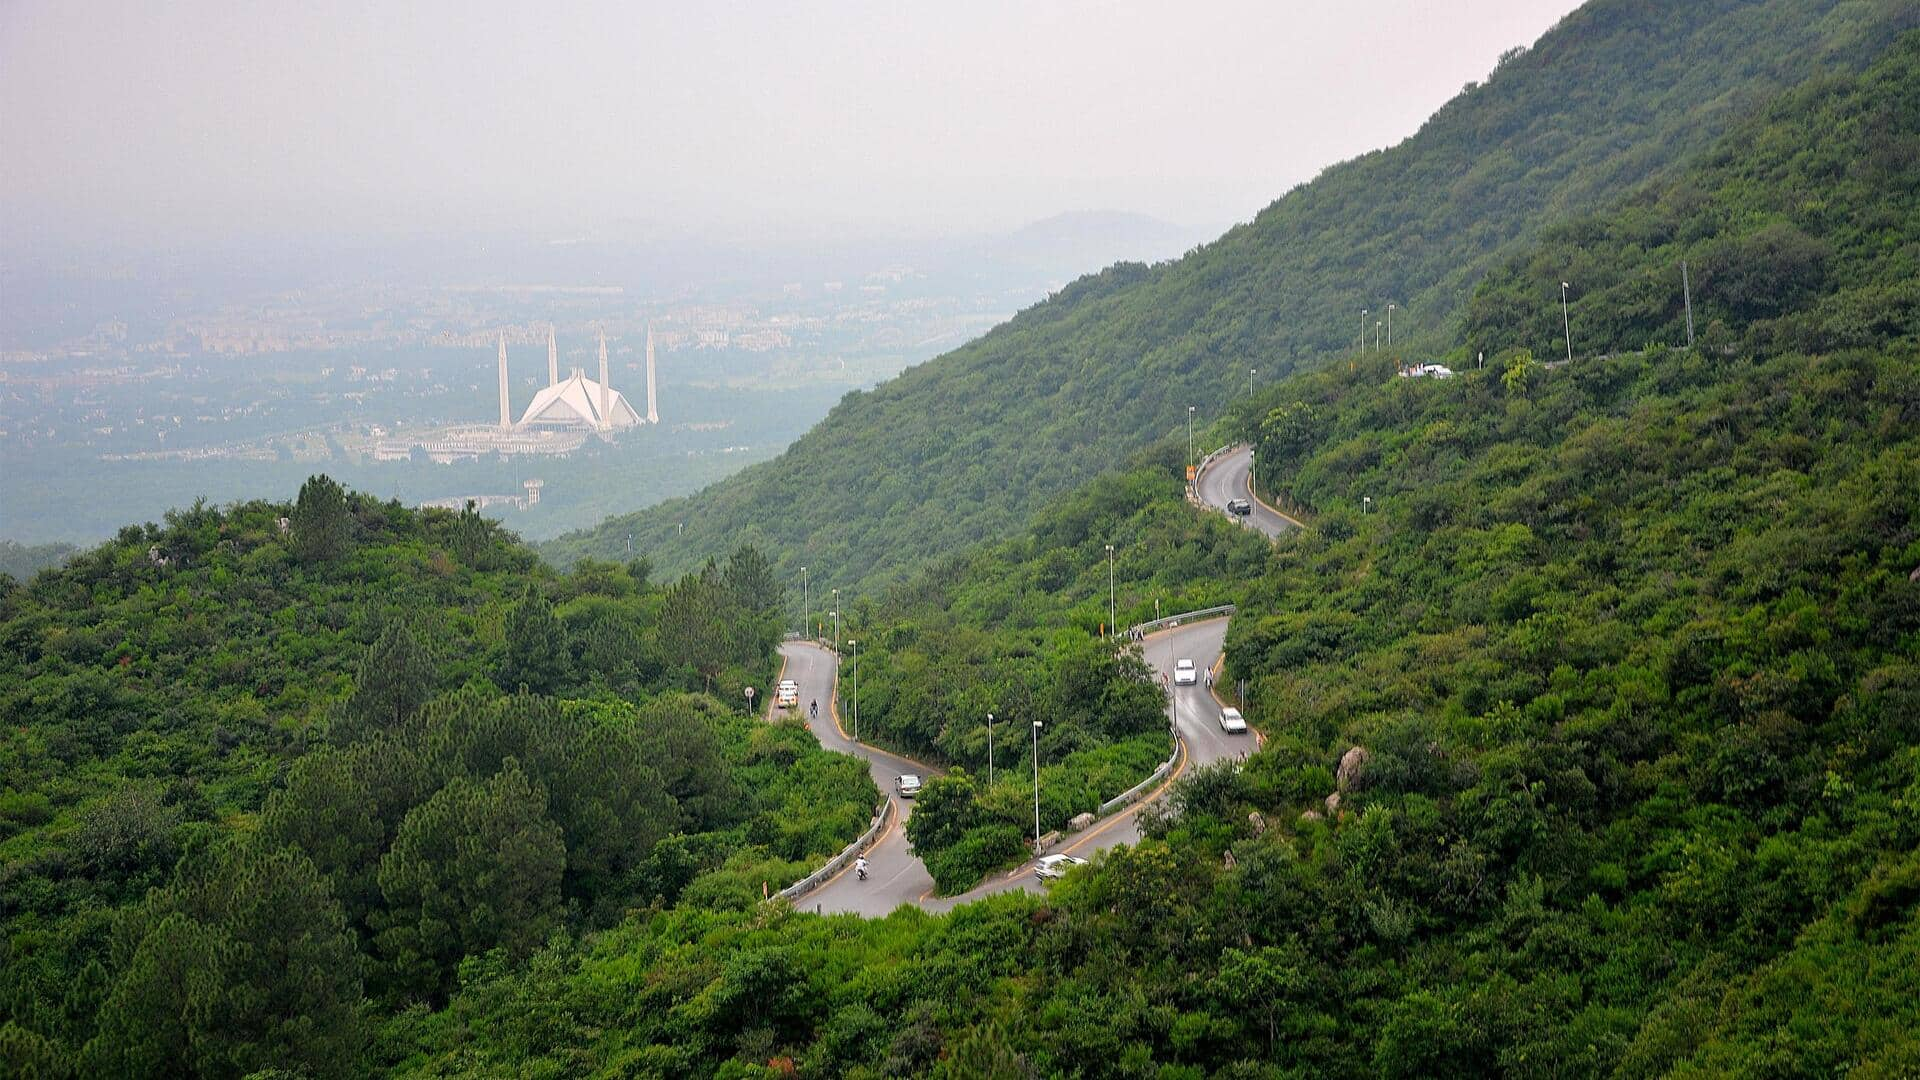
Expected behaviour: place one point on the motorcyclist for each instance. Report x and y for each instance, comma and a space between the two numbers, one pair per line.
860, 867
813, 709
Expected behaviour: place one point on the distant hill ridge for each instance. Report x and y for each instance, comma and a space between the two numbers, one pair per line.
965, 446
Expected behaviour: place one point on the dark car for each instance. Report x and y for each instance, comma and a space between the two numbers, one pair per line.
1239, 506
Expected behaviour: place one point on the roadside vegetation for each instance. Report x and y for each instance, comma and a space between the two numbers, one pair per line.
1016, 629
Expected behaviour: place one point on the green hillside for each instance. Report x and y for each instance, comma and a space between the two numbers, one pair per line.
272, 773
1593, 750
962, 448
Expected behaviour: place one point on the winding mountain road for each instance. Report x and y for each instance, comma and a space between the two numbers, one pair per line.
895, 874
1229, 476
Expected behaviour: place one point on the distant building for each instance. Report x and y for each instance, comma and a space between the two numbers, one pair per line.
577, 402
1426, 371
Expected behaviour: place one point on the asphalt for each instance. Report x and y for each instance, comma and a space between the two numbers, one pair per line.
1229, 477
896, 876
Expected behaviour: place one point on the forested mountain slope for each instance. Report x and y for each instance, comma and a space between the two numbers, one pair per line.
270, 773
1593, 749
963, 447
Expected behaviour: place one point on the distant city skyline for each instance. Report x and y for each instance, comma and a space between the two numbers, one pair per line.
211, 120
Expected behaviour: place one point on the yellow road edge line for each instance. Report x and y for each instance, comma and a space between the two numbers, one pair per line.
771, 698
877, 841
1276, 511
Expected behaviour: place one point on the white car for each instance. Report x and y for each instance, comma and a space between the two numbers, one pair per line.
1232, 722
1184, 673
787, 693
908, 786
1051, 867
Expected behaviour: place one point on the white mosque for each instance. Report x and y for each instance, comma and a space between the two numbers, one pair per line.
577, 403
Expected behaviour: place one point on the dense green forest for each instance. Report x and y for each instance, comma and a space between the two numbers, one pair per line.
1014, 629
964, 448
1592, 751
274, 772
1592, 695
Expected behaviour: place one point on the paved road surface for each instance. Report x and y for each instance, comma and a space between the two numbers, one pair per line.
895, 875
1198, 720
1226, 477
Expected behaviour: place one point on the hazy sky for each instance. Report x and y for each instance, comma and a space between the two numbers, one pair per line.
195, 115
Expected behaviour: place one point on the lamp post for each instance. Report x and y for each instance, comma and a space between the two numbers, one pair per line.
855, 646
1390, 308
836, 614
1565, 323
1036, 787
1189, 442
1376, 335
989, 749
1363, 330
806, 603
1113, 617
1366, 504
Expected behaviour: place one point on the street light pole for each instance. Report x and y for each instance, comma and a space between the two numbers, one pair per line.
1376, 335
836, 614
1113, 617
855, 645
1363, 330
989, 749
1189, 441
1036, 787
1565, 323
806, 604
1390, 308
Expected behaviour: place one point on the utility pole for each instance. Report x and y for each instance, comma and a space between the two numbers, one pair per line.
1113, 617
836, 615
806, 603
989, 749
1363, 330
1190, 442
1036, 787
1686, 293
855, 645
1390, 308
1376, 335
1565, 323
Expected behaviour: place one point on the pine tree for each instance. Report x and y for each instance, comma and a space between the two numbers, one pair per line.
537, 656
322, 523
396, 677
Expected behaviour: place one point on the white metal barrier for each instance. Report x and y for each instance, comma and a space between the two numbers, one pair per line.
847, 854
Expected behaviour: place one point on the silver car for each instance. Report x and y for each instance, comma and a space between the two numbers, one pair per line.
1232, 722
908, 786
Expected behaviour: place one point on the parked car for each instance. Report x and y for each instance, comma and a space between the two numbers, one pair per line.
1239, 506
1184, 673
1051, 867
908, 786
1232, 722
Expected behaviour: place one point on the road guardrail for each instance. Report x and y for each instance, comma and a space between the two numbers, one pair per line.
1133, 793
1144, 628
839, 862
